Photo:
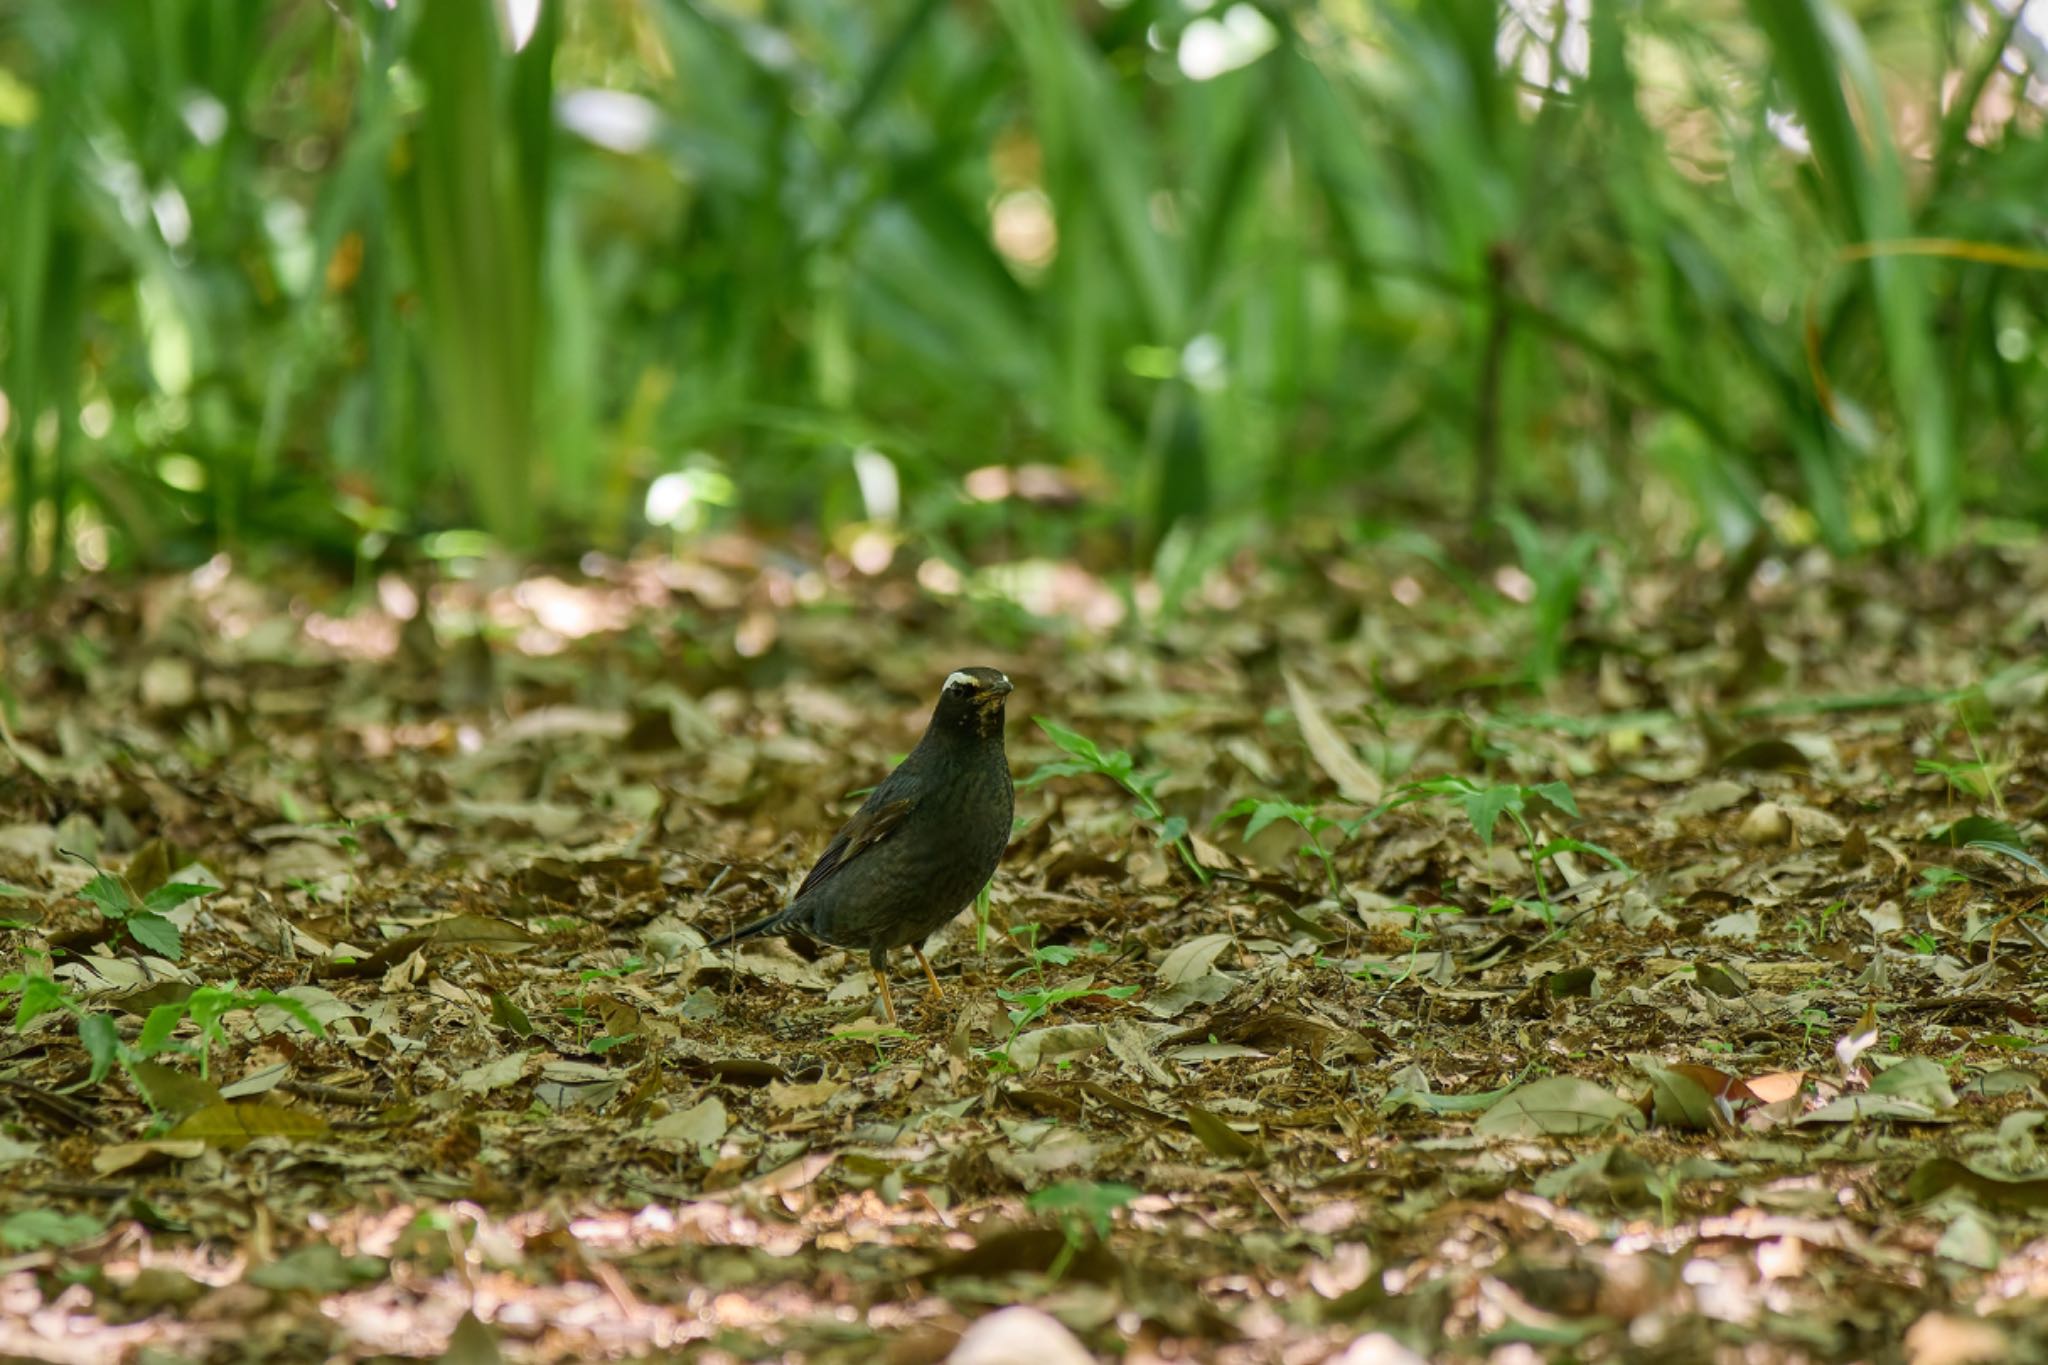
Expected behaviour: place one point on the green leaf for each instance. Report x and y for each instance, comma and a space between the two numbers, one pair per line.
296, 1009
173, 1093
1265, 813
320, 1268
1046, 772
1559, 795
2004, 850
39, 996
1431, 1103
236, 1124
1483, 808
157, 934
1221, 1139
111, 895
1080, 746
1096, 1202
1976, 829
1557, 846
171, 895
1680, 1100
1557, 1106
32, 1228
1450, 785
102, 1043
508, 1016
157, 1028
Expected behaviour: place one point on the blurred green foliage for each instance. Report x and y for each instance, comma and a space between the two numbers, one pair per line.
336, 275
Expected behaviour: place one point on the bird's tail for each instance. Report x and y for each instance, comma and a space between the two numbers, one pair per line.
771, 923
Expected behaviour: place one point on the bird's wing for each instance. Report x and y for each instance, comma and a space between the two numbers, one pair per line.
871, 824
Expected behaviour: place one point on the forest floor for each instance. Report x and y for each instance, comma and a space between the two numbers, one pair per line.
1614, 963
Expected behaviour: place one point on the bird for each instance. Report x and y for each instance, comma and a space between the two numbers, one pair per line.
922, 845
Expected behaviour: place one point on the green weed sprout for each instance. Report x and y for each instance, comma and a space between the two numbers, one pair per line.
1086, 758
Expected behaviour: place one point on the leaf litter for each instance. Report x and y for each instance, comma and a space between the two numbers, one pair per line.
1341, 997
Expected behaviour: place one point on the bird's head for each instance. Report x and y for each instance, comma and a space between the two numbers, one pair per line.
972, 700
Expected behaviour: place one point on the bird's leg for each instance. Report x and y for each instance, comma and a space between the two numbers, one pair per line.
888, 1005
937, 994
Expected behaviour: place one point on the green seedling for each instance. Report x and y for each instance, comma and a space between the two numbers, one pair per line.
1025, 936
624, 969
2012, 851
982, 906
203, 1009
1419, 930
1033, 1005
1260, 812
1081, 1207
1979, 778
1558, 573
1813, 1020
1485, 805
1935, 880
35, 994
1812, 931
142, 918
1088, 759
34, 1229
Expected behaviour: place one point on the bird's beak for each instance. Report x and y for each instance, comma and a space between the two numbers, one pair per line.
1001, 687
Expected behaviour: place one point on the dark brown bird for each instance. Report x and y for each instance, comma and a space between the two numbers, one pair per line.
921, 846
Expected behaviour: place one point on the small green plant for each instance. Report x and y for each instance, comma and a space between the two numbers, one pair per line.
143, 918
33, 1229
1812, 931
982, 906
1813, 1020
1556, 574
2004, 849
36, 993
1922, 943
1025, 936
1484, 805
1419, 930
1086, 758
1976, 780
1980, 777
1081, 1207
203, 1010
1029, 1005
1934, 880
1034, 1004
1260, 812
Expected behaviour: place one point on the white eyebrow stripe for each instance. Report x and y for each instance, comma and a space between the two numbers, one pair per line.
961, 675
